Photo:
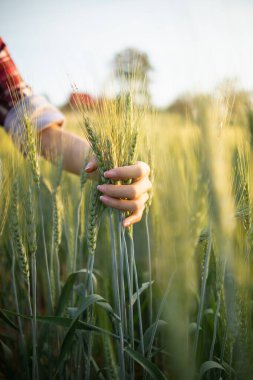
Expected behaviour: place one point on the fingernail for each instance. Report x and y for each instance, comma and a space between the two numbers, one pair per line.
100, 187
88, 166
102, 198
110, 173
126, 224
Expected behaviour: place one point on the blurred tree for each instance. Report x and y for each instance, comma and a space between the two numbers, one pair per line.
131, 68
191, 107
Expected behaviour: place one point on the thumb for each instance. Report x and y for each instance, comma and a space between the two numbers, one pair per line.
92, 165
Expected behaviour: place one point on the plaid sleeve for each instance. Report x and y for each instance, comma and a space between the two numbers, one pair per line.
12, 86
18, 100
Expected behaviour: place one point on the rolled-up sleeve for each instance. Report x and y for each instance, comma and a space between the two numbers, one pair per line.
40, 112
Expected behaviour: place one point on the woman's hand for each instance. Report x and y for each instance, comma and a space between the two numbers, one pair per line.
130, 197
56, 142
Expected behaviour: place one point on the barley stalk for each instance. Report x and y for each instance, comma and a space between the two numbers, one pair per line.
83, 180
116, 293
203, 292
20, 326
21, 251
30, 150
56, 240
16, 233
32, 246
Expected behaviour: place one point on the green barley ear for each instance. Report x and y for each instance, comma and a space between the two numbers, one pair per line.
94, 214
110, 358
94, 142
31, 149
131, 129
244, 326
83, 173
30, 222
59, 172
151, 177
83, 177
57, 206
132, 152
57, 219
108, 158
5, 197
16, 233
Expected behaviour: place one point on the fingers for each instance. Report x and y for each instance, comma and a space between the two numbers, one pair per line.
134, 195
125, 197
124, 204
132, 191
139, 170
133, 218
92, 165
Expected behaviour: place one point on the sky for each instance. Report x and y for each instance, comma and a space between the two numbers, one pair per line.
193, 45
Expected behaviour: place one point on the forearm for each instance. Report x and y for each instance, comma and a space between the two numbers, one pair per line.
17, 100
55, 142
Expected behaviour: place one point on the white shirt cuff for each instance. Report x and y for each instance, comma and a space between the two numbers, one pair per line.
41, 113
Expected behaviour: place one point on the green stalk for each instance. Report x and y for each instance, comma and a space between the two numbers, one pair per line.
89, 281
93, 362
230, 362
49, 288
57, 273
83, 180
203, 292
158, 316
149, 270
21, 251
138, 295
215, 326
223, 346
90, 316
121, 272
219, 291
20, 327
130, 296
77, 232
35, 375
93, 230
79, 360
116, 298
32, 249
34, 313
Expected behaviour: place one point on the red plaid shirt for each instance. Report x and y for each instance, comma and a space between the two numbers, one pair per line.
12, 86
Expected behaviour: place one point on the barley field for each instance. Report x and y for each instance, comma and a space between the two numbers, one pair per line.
83, 298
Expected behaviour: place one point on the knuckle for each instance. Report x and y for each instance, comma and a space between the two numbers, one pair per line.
144, 168
114, 203
139, 169
111, 190
118, 203
116, 172
136, 206
115, 191
133, 192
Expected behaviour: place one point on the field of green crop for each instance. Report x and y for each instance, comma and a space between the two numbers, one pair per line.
171, 299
